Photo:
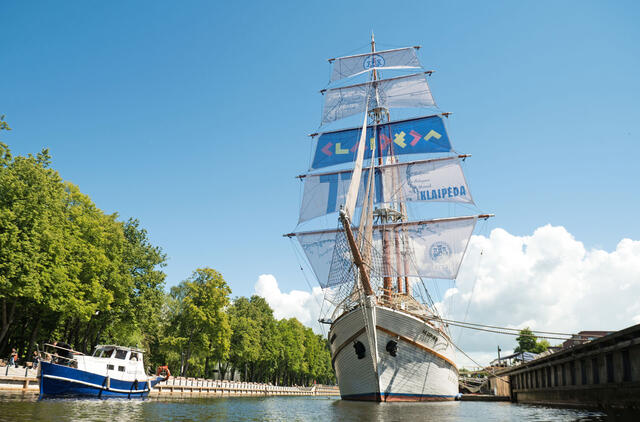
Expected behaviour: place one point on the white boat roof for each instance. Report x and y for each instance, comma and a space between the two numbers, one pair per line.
132, 349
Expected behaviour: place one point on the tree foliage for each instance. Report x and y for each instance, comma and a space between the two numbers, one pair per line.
528, 342
198, 326
70, 272
264, 349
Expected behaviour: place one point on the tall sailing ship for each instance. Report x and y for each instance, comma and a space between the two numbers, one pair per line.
387, 339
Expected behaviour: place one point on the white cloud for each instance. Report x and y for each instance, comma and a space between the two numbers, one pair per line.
305, 306
547, 281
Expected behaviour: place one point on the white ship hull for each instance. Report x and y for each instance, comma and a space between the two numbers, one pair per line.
422, 370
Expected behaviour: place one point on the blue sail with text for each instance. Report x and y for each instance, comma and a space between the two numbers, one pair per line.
414, 136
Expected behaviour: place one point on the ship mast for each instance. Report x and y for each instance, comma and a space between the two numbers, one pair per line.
358, 258
385, 214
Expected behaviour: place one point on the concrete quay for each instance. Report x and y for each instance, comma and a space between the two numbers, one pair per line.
604, 373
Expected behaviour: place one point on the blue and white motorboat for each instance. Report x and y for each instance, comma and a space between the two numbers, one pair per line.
112, 371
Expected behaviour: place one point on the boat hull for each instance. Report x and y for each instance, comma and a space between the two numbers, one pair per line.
58, 380
422, 369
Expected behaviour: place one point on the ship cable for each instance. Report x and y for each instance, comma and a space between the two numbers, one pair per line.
506, 328
510, 333
473, 288
488, 369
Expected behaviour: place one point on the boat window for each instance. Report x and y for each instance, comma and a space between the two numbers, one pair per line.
109, 367
105, 353
121, 368
134, 356
121, 354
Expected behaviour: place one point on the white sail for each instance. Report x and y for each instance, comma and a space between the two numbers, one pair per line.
318, 248
401, 92
437, 247
438, 180
354, 184
400, 58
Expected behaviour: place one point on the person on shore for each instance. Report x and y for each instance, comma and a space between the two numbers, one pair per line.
36, 359
63, 353
13, 359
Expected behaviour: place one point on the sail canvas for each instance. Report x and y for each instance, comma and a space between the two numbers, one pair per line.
430, 249
400, 58
401, 92
421, 135
440, 180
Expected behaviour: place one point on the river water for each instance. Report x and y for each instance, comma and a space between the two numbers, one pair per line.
27, 407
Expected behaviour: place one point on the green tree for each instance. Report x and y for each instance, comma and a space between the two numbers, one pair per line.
199, 326
528, 342
542, 346
32, 239
246, 335
68, 271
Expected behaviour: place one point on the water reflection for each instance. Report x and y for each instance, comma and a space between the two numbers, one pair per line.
27, 407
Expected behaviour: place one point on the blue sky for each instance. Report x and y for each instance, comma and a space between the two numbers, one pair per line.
193, 116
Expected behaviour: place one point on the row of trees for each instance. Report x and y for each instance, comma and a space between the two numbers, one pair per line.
206, 336
70, 272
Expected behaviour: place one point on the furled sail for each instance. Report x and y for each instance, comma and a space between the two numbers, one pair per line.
399, 58
412, 136
437, 248
401, 92
436, 180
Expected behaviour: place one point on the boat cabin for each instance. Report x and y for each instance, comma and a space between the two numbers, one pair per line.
117, 362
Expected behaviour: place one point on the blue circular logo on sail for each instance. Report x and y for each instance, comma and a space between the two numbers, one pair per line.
374, 60
439, 251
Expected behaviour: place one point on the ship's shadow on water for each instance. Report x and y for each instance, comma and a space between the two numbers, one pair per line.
27, 407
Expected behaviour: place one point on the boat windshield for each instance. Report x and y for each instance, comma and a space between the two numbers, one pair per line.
104, 352
121, 354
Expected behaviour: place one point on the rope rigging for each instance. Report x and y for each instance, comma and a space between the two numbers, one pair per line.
501, 330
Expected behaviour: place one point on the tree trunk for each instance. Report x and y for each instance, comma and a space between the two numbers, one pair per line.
76, 332
87, 334
185, 366
67, 330
97, 338
221, 372
7, 319
34, 335
223, 369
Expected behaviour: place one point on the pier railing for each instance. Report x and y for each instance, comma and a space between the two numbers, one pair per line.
182, 385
